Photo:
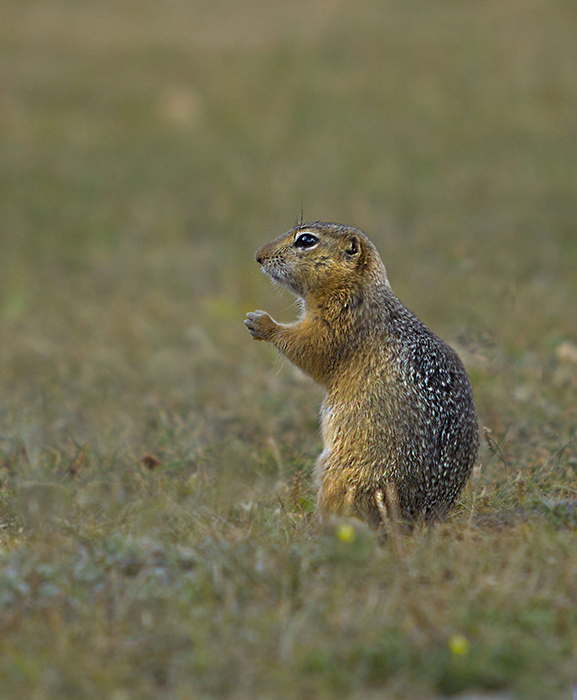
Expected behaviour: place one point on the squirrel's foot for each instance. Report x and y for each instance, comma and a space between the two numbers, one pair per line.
260, 325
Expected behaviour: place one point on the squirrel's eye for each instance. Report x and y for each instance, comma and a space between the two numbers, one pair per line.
306, 240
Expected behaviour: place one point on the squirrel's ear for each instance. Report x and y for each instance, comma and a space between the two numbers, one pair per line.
353, 246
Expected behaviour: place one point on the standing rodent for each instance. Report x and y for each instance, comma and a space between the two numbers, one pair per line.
398, 422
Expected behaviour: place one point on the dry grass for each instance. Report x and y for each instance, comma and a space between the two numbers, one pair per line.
158, 534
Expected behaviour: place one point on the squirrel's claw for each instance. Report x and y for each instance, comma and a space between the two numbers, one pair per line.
259, 324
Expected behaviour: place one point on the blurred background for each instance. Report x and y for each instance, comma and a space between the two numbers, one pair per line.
156, 507
148, 148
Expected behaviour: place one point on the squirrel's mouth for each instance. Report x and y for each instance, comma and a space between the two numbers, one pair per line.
280, 276
277, 276
273, 270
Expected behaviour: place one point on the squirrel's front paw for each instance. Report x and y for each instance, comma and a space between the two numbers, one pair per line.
260, 325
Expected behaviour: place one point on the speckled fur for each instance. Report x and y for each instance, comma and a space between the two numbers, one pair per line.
398, 421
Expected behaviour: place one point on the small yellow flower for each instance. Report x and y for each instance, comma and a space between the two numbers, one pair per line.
345, 532
459, 645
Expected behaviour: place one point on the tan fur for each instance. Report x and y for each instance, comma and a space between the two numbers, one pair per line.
398, 420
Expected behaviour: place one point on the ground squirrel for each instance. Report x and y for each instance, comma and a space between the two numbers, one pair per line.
398, 422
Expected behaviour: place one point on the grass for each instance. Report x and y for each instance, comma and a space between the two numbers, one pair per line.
158, 535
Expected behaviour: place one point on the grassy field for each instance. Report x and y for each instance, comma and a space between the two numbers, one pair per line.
156, 509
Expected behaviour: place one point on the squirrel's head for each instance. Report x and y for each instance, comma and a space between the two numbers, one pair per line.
318, 258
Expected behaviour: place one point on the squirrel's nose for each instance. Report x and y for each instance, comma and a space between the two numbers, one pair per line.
260, 255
